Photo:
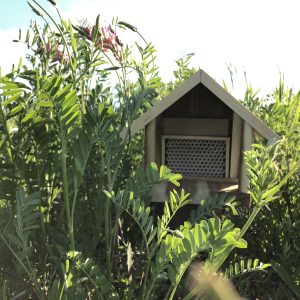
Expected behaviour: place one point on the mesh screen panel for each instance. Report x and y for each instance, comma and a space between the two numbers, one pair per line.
196, 157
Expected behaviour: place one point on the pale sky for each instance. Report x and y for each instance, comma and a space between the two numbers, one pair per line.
259, 37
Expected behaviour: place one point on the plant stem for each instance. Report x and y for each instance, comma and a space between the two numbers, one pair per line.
107, 223
107, 236
66, 193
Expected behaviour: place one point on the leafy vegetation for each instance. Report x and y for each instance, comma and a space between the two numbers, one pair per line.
277, 227
75, 214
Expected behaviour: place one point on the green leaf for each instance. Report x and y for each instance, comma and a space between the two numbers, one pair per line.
45, 103
36, 11
20, 64
12, 99
73, 40
286, 277
243, 267
52, 2
29, 116
114, 68
127, 25
27, 37
242, 244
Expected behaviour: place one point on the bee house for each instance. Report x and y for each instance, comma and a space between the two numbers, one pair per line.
200, 131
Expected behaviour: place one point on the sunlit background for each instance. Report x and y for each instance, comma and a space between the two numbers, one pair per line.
257, 38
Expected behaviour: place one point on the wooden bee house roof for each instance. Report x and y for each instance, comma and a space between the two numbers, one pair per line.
201, 77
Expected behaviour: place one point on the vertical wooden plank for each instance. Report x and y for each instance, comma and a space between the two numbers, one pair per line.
247, 142
236, 140
158, 141
150, 141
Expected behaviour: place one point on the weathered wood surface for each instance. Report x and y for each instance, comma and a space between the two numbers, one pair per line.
150, 142
192, 126
236, 146
247, 142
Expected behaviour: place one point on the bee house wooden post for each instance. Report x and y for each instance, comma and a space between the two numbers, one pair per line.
200, 131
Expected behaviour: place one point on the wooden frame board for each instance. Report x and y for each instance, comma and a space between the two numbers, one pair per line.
196, 127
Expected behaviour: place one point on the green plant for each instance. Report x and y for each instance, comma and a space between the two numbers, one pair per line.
243, 267
265, 185
277, 227
59, 122
76, 219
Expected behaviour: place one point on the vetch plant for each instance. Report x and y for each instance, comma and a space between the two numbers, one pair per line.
73, 226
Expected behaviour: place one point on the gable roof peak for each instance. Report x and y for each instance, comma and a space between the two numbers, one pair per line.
202, 77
